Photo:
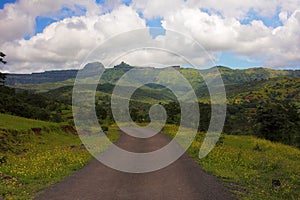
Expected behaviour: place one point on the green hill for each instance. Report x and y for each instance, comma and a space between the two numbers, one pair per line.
38, 78
27, 104
248, 92
55, 79
11, 122
280, 89
35, 154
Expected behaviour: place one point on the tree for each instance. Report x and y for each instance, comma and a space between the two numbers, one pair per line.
2, 76
279, 123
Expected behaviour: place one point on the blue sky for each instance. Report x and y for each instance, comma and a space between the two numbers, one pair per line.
273, 21
3, 2
264, 51
235, 62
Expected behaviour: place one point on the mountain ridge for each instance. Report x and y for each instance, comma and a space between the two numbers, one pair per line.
230, 76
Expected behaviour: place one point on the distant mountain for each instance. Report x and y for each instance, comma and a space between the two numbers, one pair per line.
248, 85
145, 94
112, 75
238, 76
38, 78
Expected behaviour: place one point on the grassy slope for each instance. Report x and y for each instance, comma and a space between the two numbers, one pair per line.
19, 123
247, 165
258, 84
275, 89
45, 87
31, 161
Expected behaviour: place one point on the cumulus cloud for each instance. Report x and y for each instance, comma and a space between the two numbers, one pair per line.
240, 10
157, 8
18, 20
65, 44
277, 47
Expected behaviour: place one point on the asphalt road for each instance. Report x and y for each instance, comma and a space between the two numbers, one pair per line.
183, 179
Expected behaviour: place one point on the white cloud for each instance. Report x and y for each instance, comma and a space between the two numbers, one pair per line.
65, 44
285, 47
14, 23
18, 20
275, 47
240, 10
157, 8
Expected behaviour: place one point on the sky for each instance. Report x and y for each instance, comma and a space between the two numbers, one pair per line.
40, 35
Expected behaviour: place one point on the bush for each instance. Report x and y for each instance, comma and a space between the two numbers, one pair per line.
104, 128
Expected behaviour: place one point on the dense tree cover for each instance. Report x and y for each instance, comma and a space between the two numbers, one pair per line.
28, 105
279, 123
272, 120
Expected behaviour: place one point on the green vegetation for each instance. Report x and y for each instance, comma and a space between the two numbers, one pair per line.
282, 89
247, 92
18, 123
29, 105
239, 83
247, 165
35, 154
46, 87
260, 102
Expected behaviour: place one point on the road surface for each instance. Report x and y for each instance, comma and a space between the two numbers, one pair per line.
184, 179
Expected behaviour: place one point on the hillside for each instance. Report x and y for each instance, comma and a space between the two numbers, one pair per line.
38, 78
280, 89
258, 99
256, 84
36, 154
112, 75
29, 105
239, 76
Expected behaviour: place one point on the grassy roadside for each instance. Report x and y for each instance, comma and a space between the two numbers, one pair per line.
36, 154
34, 159
247, 165
31, 160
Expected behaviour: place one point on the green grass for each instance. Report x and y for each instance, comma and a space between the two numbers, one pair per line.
113, 132
32, 161
20, 123
45, 87
247, 165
